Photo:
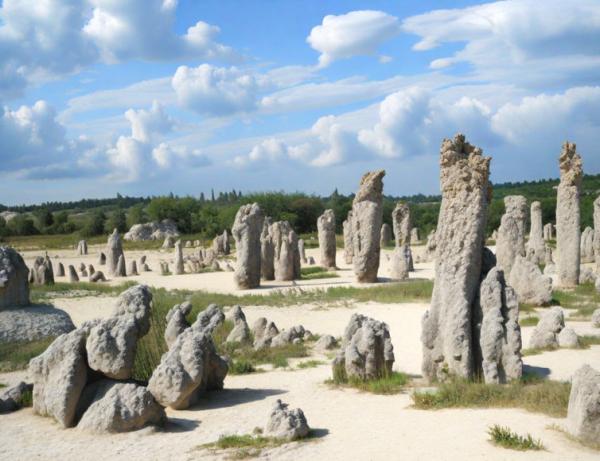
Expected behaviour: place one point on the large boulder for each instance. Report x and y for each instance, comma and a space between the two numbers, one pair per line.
12, 399
367, 216
246, 230
177, 322
152, 231
14, 283
59, 376
119, 407
33, 323
286, 424
583, 414
545, 334
367, 351
240, 332
531, 285
568, 216
326, 234
446, 328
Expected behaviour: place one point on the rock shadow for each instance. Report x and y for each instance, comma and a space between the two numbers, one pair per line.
232, 397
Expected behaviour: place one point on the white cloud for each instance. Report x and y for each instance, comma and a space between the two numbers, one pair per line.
149, 124
214, 90
167, 156
357, 33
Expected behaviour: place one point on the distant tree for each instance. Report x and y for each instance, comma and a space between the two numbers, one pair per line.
4, 232
136, 215
94, 225
43, 218
117, 220
22, 225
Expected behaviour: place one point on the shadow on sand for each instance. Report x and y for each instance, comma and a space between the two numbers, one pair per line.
542, 372
231, 397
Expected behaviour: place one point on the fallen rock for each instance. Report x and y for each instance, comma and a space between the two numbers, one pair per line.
545, 334
326, 343
291, 336
98, 276
286, 424
11, 399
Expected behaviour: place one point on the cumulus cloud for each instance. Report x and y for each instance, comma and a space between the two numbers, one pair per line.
500, 38
149, 124
357, 33
214, 90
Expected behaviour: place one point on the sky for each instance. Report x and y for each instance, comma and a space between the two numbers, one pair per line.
148, 97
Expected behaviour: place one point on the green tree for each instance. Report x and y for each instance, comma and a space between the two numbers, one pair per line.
136, 215
117, 220
22, 225
94, 225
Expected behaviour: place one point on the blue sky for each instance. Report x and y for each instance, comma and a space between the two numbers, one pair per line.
147, 97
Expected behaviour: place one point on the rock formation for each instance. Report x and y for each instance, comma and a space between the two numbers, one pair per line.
511, 233
597, 234
246, 231
14, 284
240, 332
531, 286
178, 258
101, 259
402, 257
12, 399
596, 318
326, 343
587, 246
221, 245
568, 232
73, 277
414, 235
367, 351
152, 231
302, 251
348, 243
367, 215
460, 235
133, 270
536, 248
82, 248
286, 424
583, 414
286, 256
114, 250
548, 232
121, 271
177, 322
42, 272
385, 236
98, 276
60, 270
267, 251
545, 334
327, 244
169, 242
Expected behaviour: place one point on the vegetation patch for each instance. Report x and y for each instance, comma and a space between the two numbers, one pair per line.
41, 293
585, 342
393, 383
16, 355
532, 394
316, 272
504, 437
309, 364
529, 321
584, 299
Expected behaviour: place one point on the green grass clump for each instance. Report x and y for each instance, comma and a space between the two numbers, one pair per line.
309, 364
241, 367
504, 437
530, 321
584, 298
41, 293
535, 395
390, 383
16, 356
244, 446
316, 272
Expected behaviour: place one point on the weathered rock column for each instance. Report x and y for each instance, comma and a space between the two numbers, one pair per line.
246, 231
267, 251
586, 247
386, 235
367, 214
114, 250
568, 216
178, 258
14, 283
597, 234
286, 255
402, 257
348, 243
548, 231
460, 237
511, 233
536, 248
326, 232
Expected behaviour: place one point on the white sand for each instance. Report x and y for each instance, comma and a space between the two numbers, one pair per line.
352, 425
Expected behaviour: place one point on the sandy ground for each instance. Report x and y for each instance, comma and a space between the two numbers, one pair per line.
350, 425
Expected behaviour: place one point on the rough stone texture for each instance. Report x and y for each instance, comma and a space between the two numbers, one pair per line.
177, 322
596, 318
326, 233
545, 334
385, 236
133, 270
548, 258
286, 424
511, 233
499, 335
430, 246
60, 270
568, 216
169, 242
587, 245
583, 414
536, 248
348, 241
548, 232
82, 248
597, 234
114, 251
152, 231
73, 277
121, 271
98, 276
326, 343
460, 235
119, 407
241, 332
414, 235
221, 245
302, 251
367, 215
43, 272
191, 366
290, 336
367, 351
33, 323
14, 284
101, 259
91, 269
531, 286
11, 399
59, 376
246, 231
586, 275
401, 262
178, 258
402, 224
264, 332
286, 256
568, 338
267, 251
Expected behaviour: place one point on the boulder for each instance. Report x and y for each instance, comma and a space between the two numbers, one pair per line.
101, 259
121, 271
263, 332
367, 216
291, 336
583, 414
240, 333
545, 334
59, 376
177, 322
60, 270
326, 343
33, 323
247, 228
98, 276
12, 399
327, 243
91, 270
568, 338
367, 351
119, 407
73, 277
586, 275
152, 231
531, 286
286, 424
14, 284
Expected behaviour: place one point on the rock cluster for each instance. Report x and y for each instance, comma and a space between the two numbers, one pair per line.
247, 229
82, 248
583, 414
568, 216
448, 345
367, 215
152, 231
286, 424
263, 332
367, 351
14, 283
327, 244
511, 233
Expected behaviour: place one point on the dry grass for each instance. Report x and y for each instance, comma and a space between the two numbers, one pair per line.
16, 356
504, 437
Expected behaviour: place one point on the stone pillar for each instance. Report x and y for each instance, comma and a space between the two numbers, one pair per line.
286, 255
246, 231
326, 232
348, 243
178, 258
511, 233
535, 246
267, 251
386, 235
401, 259
114, 250
597, 234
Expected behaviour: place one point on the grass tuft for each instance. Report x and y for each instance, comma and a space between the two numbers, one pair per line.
309, 364
16, 355
316, 272
394, 383
41, 293
583, 298
530, 321
504, 437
